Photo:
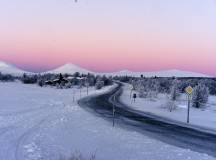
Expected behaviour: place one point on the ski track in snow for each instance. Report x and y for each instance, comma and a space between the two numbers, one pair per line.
33, 124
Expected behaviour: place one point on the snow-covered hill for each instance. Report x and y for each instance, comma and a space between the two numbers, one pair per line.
70, 69
6, 68
165, 73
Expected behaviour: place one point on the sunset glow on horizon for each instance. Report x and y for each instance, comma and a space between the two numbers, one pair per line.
109, 35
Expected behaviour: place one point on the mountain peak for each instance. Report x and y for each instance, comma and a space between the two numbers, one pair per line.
7, 68
70, 68
70, 65
4, 64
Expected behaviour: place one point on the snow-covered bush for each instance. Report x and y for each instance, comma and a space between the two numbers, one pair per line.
99, 84
152, 94
200, 95
40, 82
77, 156
141, 92
171, 105
68, 85
61, 85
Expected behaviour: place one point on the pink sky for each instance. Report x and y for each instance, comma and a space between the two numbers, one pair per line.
143, 36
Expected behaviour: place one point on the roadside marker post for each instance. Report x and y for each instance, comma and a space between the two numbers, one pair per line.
114, 98
74, 95
74, 92
131, 91
132, 88
87, 88
80, 92
189, 91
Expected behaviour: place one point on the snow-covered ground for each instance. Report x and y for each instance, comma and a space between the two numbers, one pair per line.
42, 123
205, 117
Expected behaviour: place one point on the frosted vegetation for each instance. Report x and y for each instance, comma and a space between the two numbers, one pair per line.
60, 81
173, 87
166, 97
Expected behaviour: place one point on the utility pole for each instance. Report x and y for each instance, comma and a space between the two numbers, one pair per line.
114, 98
188, 111
87, 86
80, 91
74, 95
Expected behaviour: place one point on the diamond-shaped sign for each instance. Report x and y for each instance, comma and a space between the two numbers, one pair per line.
189, 90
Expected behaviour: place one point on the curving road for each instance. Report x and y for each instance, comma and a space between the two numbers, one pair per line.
174, 133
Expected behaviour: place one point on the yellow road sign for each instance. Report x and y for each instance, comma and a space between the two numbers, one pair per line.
189, 90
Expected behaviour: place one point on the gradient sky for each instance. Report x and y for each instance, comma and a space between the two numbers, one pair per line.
109, 35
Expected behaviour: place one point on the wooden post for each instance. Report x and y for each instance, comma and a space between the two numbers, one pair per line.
188, 111
114, 111
74, 96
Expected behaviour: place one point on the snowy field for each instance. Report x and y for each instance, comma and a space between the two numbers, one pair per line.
44, 123
204, 117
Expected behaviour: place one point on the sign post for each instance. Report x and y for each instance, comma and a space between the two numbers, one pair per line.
189, 91
134, 97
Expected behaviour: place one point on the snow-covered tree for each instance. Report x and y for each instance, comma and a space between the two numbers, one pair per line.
147, 88
200, 95
99, 84
29, 79
6, 77
40, 82
153, 87
174, 92
142, 93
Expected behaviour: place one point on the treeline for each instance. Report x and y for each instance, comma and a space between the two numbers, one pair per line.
67, 80
7, 77
172, 86
163, 84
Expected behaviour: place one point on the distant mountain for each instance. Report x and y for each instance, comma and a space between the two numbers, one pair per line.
6, 68
165, 73
70, 69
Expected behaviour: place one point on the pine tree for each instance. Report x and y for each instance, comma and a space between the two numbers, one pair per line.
99, 84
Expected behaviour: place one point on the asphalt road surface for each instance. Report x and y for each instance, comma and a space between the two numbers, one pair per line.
174, 133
